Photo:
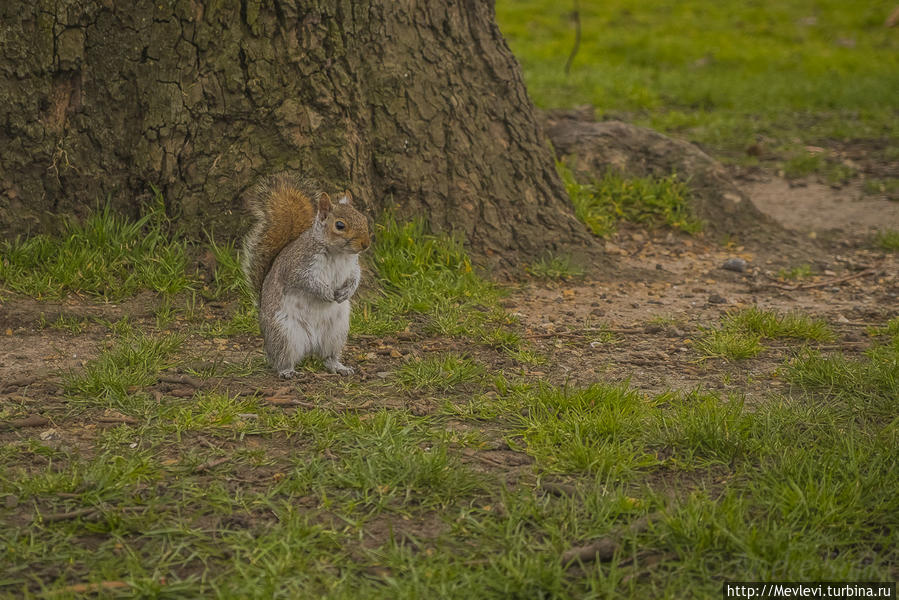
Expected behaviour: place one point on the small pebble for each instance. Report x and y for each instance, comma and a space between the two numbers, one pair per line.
735, 264
717, 299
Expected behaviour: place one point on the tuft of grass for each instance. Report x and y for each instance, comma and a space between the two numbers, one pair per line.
649, 200
891, 329
228, 277
68, 323
594, 429
887, 187
392, 461
773, 325
431, 277
555, 266
705, 427
229, 281
422, 270
869, 386
888, 240
741, 332
108, 256
799, 272
439, 373
729, 344
133, 361
803, 165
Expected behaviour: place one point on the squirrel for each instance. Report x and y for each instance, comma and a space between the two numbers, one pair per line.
301, 258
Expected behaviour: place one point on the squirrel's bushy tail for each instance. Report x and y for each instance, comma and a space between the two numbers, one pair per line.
283, 207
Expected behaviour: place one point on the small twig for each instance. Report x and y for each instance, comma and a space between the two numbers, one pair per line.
185, 379
117, 419
580, 332
20, 382
647, 562
604, 549
289, 402
182, 392
576, 15
642, 362
893, 18
211, 464
206, 442
808, 286
823, 346
89, 588
32, 421
65, 516
472, 453
558, 489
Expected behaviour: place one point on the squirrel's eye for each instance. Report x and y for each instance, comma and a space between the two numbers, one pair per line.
340, 225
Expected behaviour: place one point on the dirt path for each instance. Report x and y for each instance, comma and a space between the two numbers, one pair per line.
812, 207
657, 320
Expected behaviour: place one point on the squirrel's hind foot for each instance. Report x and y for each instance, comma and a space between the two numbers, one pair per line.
334, 365
287, 373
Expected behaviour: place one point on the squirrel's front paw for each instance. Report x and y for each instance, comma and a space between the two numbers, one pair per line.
287, 374
342, 294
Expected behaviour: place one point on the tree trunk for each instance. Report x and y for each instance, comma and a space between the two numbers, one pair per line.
416, 106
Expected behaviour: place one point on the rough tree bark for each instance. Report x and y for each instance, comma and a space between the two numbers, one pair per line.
417, 106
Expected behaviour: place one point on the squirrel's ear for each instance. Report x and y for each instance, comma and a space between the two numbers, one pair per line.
347, 198
324, 204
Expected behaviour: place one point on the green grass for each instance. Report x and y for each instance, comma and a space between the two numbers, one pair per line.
68, 323
132, 361
888, 240
888, 187
323, 502
803, 165
108, 256
741, 332
774, 325
555, 266
649, 200
867, 386
803, 271
726, 75
430, 279
729, 345
440, 373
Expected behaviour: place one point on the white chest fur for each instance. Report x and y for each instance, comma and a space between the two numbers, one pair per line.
336, 269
